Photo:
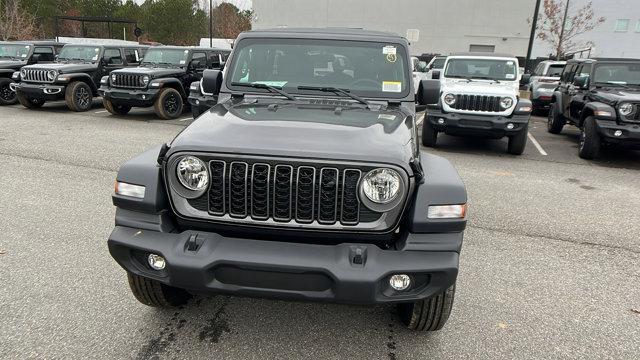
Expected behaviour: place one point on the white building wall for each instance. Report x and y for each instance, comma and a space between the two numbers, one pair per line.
608, 42
445, 25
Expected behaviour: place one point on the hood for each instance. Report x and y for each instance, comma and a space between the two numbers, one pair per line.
151, 71
302, 130
11, 64
65, 68
480, 87
613, 96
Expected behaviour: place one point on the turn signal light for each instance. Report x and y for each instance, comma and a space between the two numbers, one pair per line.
447, 211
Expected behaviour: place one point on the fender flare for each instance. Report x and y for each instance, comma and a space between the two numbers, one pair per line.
598, 109
81, 77
172, 83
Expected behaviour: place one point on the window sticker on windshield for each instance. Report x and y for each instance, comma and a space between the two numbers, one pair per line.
386, 117
182, 62
510, 76
96, 50
94, 58
391, 86
186, 51
23, 55
272, 83
392, 58
510, 63
26, 47
389, 50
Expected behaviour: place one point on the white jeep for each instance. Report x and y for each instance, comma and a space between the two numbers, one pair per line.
479, 96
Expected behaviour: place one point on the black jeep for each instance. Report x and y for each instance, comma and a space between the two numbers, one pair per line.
75, 75
15, 55
161, 81
602, 98
301, 183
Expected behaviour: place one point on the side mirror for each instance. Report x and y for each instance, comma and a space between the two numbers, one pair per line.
581, 81
435, 74
526, 78
194, 64
428, 92
211, 82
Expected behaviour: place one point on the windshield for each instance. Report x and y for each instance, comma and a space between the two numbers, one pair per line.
75, 52
166, 56
363, 68
555, 70
14, 51
482, 69
621, 74
438, 63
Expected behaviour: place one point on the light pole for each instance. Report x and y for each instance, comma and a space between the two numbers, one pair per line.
564, 23
534, 24
210, 23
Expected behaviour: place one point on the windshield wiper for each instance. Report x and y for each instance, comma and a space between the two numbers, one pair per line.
334, 90
265, 86
609, 83
486, 78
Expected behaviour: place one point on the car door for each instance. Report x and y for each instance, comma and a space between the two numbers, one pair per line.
578, 97
566, 87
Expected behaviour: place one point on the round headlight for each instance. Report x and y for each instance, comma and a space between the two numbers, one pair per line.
192, 173
626, 109
381, 185
113, 78
449, 99
145, 80
506, 102
51, 75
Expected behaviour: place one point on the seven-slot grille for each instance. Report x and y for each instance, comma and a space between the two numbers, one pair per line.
477, 103
36, 75
127, 80
284, 192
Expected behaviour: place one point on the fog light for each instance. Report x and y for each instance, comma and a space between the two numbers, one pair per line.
441, 121
144, 97
156, 262
617, 133
510, 126
400, 282
197, 102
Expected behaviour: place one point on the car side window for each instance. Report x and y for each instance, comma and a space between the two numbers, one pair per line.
112, 57
585, 70
131, 55
215, 60
44, 53
538, 70
567, 74
202, 57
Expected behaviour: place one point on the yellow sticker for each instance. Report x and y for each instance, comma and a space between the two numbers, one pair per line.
392, 58
391, 86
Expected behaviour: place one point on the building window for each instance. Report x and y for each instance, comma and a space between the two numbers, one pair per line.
482, 48
622, 25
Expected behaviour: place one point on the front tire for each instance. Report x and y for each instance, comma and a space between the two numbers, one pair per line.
28, 102
156, 294
555, 121
518, 142
7, 97
169, 104
429, 133
115, 109
429, 314
78, 96
589, 139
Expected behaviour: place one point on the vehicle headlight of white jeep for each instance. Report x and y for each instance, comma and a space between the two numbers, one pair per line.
625, 109
450, 99
506, 102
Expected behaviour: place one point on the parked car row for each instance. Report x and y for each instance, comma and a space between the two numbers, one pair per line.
125, 76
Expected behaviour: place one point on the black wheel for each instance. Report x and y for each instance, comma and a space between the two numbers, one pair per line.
156, 294
589, 139
115, 109
169, 104
29, 103
429, 134
430, 314
78, 96
518, 142
555, 120
7, 96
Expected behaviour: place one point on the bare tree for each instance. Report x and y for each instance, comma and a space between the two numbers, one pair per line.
229, 21
564, 39
15, 23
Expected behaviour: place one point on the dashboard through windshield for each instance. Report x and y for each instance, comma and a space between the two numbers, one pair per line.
369, 69
489, 69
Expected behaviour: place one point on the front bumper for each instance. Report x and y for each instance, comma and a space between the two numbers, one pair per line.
630, 132
283, 269
50, 92
492, 126
129, 97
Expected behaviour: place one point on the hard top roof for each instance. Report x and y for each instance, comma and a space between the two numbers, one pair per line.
483, 54
602, 59
204, 48
332, 33
124, 46
34, 42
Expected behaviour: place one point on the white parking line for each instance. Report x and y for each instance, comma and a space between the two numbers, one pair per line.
420, 120
100, 112
185, 119
537, 144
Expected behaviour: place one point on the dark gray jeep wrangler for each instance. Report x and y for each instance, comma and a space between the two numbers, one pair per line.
304, 182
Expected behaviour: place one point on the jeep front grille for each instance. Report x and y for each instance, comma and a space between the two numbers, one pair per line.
477, 103
127, 81
286, 192
36, 75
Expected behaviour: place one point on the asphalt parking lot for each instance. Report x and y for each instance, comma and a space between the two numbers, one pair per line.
550, 265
